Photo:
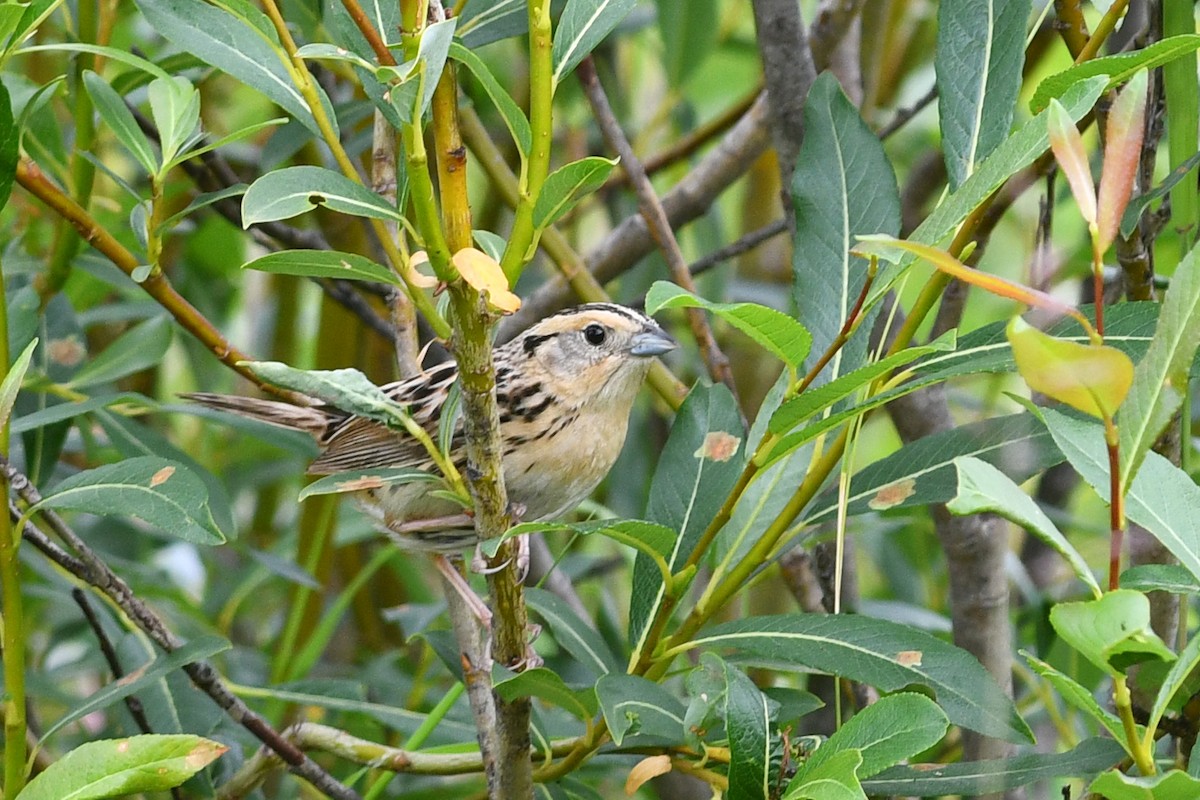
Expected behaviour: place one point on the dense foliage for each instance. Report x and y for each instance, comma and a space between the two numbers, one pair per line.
909, 513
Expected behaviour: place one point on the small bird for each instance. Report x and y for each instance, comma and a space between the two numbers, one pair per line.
564, 390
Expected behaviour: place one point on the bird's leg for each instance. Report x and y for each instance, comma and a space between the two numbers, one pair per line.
459, 584
452, 522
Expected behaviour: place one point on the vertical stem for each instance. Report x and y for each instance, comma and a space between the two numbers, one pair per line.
1182, 89
1116, 503
14, 616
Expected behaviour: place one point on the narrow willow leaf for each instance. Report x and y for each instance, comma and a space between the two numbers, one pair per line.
1092, 378
1122, 156
141, 347
1113, 632
649, 538
1012, 155
881, 653
1075, 695
246, 48
119, 119
750, 722
923, 472
972, 778
689, 34
324, 264
844, 185
1072, 159
1133, 212
573, 634
888, 732
639, 710
1162, 498
119, 767
1172, 785
1161, 378
980, 53
162, 493
284, 193
431, 55
12, 382
582, 26
567, 185
982, 487
175, 108
10, 137
1181, 670
1160, 578
514, 118
347, 389
783, 336
196, 650
1115, 69
486, 21
64, 411
331, 52
546, 685
362, 480
697, 469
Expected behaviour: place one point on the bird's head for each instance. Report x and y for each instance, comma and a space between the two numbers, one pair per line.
594, 352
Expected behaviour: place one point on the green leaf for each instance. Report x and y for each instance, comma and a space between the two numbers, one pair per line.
923, 472
1162, 498
324, 264
750, 723
175, 108
137, 680
514, 118
638, 709
891, 730
980, 53
800, 408
648, 538
572, 633
118, 767
203, 201
843, 186
1015, 153
162, 493
363, 479
1160, 578
1172, 785
1073, 694
881, 653
1177, 677
141, 347
972, 778
834, 779
431, 56
698, 467
689, 34
567, 185
1114, 69
1113, 632
12, 382
781, 335
486, 21
284, 193
1133, 212
983, 488
347, 389
10, 138
112, 109
1161, 378
1092, 378
332, 52
247, 49
546, 685
582, 26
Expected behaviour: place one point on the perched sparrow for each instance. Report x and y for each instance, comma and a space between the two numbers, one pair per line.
564, 389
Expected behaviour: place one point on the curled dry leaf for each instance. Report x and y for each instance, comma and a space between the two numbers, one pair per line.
644, 770
417, 278
486, 276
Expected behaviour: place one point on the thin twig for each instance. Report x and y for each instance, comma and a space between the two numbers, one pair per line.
656, 219
91, 569
735, 248
904, 115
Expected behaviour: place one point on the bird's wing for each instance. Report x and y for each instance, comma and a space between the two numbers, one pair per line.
359, 443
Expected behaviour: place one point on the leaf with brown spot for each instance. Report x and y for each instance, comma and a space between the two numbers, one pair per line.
909, 658
893, 494
644, 770
67, 352
160, 477
718, 446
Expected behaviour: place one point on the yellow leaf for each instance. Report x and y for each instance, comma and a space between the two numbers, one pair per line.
485, 275
644, 770
1092, 378
417, 278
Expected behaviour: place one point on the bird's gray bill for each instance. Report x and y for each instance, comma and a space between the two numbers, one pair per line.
652, 343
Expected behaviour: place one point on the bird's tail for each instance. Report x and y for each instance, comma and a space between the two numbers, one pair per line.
311, 420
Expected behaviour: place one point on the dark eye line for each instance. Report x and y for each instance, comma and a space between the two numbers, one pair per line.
532, 342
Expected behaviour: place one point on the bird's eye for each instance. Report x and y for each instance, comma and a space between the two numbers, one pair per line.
595, 334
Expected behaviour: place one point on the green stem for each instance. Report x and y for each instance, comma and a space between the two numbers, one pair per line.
1182, 89
285, 652
14, 615
536, 165
1142, 755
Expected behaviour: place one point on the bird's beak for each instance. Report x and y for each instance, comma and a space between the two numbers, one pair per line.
652, 341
